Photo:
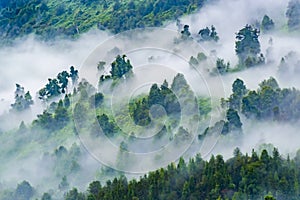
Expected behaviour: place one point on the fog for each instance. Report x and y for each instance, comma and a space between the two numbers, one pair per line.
30, 62
155, 57
257, 135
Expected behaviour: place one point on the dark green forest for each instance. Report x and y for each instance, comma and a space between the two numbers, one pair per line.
49, 19
255, 176
49, 150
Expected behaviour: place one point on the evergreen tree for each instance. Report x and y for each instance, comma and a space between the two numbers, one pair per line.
22, 100
74, 75
247, 46
233, 120
121, 67
62, 78
221, 66
61, 116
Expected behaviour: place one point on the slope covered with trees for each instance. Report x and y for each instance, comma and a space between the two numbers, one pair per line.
255, 176
51, 18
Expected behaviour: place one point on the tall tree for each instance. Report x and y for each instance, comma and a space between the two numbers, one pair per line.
120, 67
247, 46
74, 75
63, 80
22, 100
238, 91
185, 33
61, 116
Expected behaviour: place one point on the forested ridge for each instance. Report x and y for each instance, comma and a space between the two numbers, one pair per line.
46, 156
51, 18
256, 176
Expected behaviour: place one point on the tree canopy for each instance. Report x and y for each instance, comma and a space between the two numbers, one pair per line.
247, 47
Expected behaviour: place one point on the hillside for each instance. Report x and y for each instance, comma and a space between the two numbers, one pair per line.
69, 18
95, 104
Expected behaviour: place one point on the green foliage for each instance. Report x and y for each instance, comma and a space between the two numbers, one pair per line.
62, 78
269, 101
240, 177
222, 67
293, 14
53, 121
74, 75
269, 197
80, 115
94, 188
96, 100
163, 96
67, 101
108, 127
51, 18
45, 121
120, 68
74, 195
205, 106
232, 123
233, 120
247, 47
66, 162
139, 110
238, 91
271, 82
196, 61
23, 100
61, 116
57, 86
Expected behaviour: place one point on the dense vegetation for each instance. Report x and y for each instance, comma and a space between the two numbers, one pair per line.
70, 106
239, 180
240, 177
22, 100
51, 18
268, 102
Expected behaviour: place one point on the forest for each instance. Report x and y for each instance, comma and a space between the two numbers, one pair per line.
103, 99
49, 19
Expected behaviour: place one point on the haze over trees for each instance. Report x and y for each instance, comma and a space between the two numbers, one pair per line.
247, 47
46, 158
23, 100
267, 24
255, 176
